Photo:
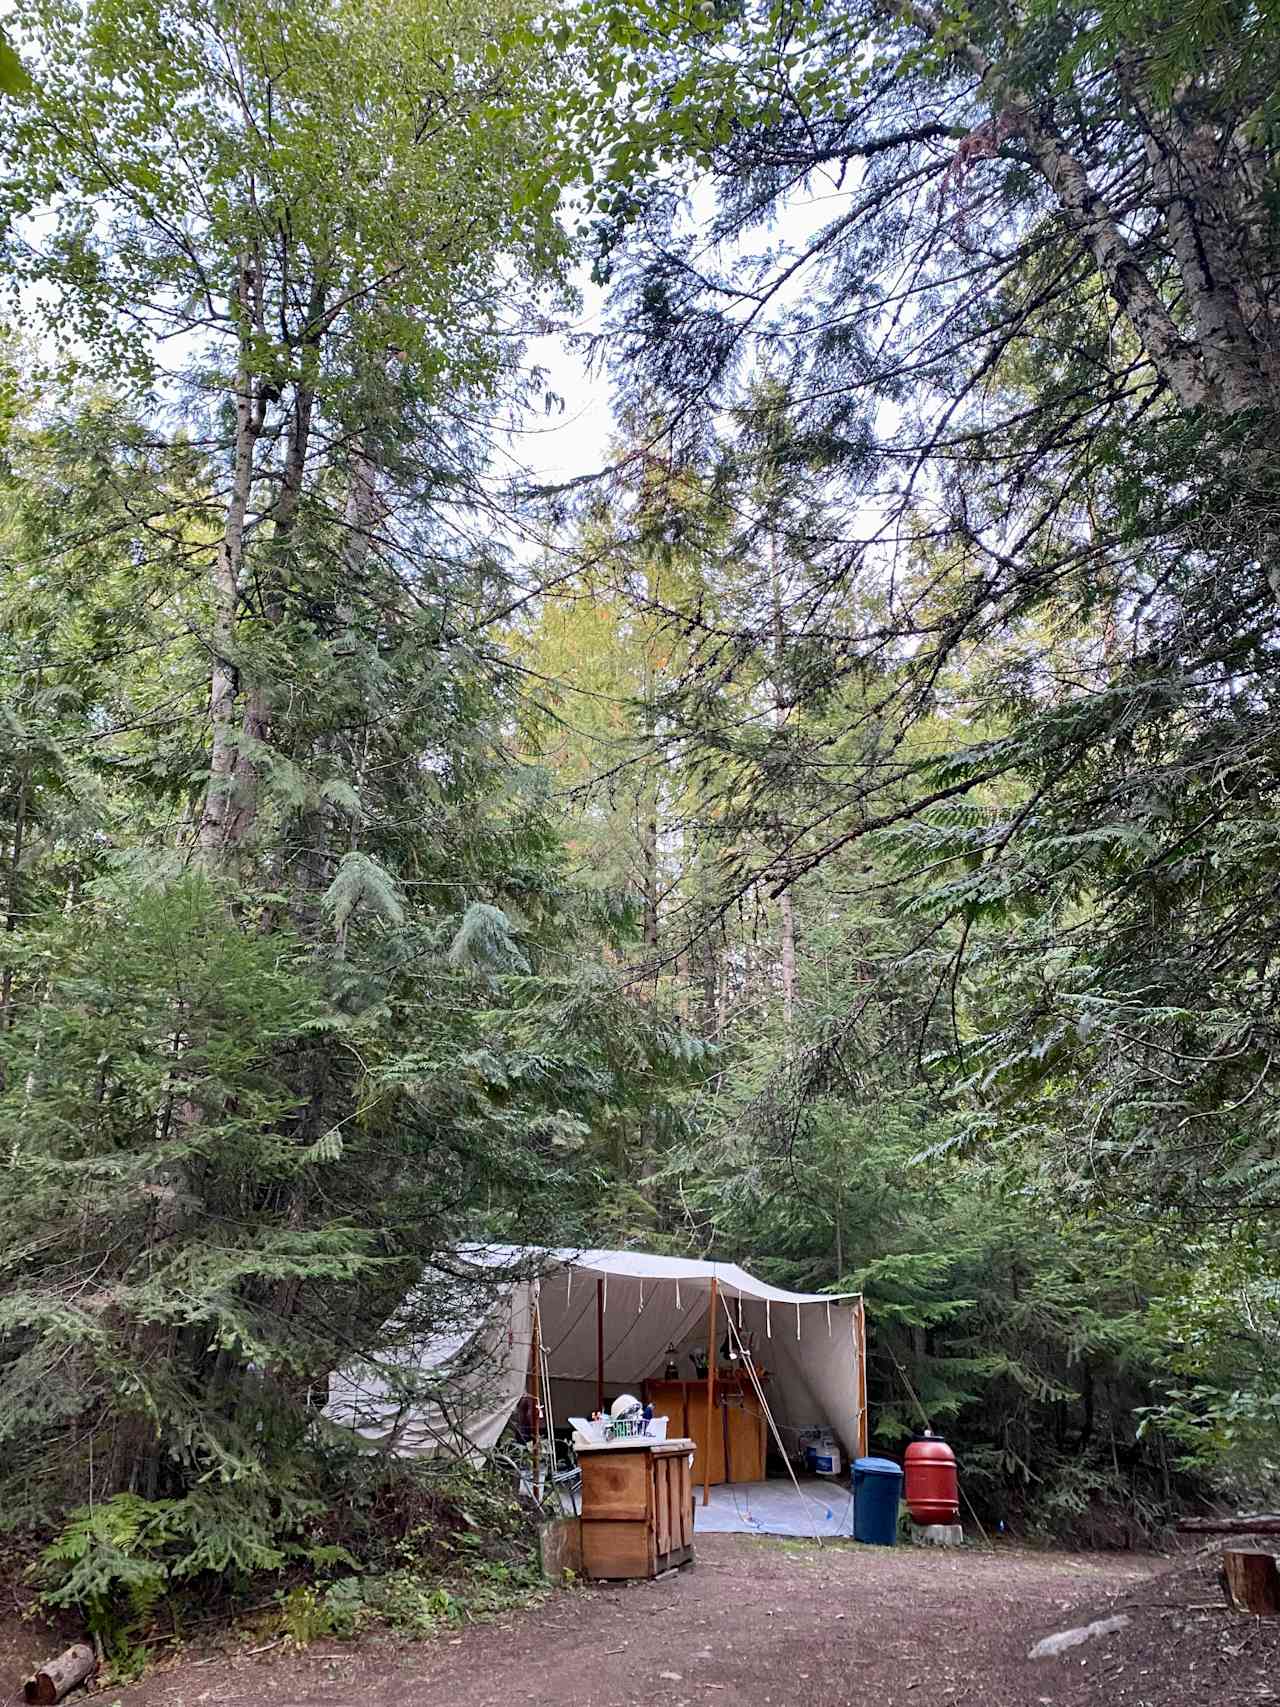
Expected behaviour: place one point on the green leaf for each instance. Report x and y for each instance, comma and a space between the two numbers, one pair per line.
327, 1148
14, 78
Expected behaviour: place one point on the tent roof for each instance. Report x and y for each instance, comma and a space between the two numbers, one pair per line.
474, 1378
734, 1282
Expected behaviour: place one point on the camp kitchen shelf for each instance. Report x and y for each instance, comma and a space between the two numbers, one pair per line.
637, 1507
737, 1443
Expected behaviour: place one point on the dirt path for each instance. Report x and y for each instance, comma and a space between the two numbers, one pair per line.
755, 1623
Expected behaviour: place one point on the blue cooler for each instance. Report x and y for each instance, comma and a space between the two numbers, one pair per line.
877, 1488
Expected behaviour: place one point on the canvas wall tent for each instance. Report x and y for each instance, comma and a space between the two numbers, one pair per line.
629, 1306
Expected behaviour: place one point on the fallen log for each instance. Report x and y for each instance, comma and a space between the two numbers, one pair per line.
1052, 1646
1229, 1525
57, 1676
1253, 1581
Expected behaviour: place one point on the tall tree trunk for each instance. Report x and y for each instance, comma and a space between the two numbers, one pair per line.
649, 876
11, 908
135, 1462
785, 907
284, 517
788, 924
1093, 222
360, 514
219, 819
648, 807
1203, 184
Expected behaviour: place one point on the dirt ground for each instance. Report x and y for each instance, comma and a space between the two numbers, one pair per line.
761, 1623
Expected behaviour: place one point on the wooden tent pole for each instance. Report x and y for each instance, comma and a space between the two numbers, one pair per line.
600, 1346
535, 1380
711, 1386
860, 1351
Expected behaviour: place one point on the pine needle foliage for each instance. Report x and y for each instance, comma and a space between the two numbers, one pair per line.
295, 993
152, 1138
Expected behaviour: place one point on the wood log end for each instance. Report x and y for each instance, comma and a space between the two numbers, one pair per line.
60, 1674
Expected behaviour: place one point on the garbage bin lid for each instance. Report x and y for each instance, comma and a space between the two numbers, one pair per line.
877, 1466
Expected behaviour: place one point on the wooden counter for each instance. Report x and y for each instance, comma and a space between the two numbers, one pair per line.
637, 1507
737, 1444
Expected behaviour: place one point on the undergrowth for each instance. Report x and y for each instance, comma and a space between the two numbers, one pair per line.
414, 1547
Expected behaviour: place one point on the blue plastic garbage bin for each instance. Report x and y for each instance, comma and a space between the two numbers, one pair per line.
877, 1488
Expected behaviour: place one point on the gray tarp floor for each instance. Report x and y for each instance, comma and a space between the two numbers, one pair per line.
824, 1506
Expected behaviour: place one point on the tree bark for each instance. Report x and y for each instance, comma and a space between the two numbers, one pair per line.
649, 878
1229, 1525
786, 909
218, 819
1253, 1581
788, 922
1204, 222
1096, 226
11, 913
246, 774
359, 515
57, 1676
1092, 221
648, 810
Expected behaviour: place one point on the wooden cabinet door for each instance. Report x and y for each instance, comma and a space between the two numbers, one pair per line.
744, 1421
617, 1549
697, 1428
616, 1486
682, 1492
662, 1505
667, 1399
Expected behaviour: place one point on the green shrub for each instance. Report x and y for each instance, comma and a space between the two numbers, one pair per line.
117, 1561
419, 1547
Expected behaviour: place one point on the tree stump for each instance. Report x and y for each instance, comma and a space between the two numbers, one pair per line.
561, 1541
1253, 1581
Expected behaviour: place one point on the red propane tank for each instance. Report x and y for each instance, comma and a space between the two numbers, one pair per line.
933, 1492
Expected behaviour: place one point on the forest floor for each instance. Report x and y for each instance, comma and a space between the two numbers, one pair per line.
767, 1623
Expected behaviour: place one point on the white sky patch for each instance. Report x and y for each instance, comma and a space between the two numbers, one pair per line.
575, 441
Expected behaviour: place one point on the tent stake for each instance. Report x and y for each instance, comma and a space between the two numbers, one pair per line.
711, 1386
600, 1346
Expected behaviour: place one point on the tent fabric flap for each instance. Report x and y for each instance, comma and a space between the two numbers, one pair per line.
451, 1397
734, 1282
